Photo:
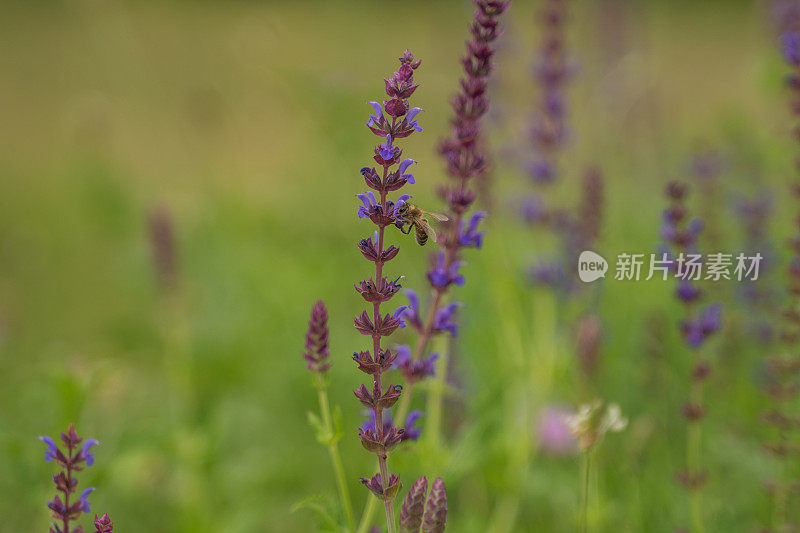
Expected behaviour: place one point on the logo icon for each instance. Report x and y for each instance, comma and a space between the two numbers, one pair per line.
591, 266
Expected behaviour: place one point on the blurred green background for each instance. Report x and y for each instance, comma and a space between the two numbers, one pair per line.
244, 122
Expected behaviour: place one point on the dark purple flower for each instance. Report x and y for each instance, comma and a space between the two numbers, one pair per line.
376, 486
103, 524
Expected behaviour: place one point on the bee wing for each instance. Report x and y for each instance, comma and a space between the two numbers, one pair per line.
437, 216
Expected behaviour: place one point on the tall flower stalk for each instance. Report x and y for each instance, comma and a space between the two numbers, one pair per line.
392, 120
682, 233
465, 161
73, 458
783, 369
328, 423
549, 136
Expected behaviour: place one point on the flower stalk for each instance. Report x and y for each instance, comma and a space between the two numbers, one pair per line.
328, 426
462, 152
72, 459
382, 212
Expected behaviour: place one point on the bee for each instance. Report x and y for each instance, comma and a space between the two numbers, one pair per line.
416, 218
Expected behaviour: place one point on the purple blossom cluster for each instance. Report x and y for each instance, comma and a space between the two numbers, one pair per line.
392, 119
681, 234
549, 132
316, 353
72, 459
577, 229
783, 369
465, 161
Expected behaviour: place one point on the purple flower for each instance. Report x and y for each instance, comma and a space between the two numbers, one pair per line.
553, 431
470, 236
413, 112
541, 171
86, 454
52, 449
375, 119
414, 370
368, 204
444, 319
84, 499
697, 330
790, 42
440, 276
412, 433
411, 313
402, 170
687, 291
387, 150
398, 314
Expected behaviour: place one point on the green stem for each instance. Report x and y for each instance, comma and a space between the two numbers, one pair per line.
693, 461
583, 522
435, 398
336, 459
366, 516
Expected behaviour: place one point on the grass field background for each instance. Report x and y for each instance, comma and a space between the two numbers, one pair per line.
244, 120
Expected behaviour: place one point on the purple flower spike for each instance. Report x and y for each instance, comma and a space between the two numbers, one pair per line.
317, 353
379, 436
72, 459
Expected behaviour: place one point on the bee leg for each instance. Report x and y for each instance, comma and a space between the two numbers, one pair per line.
409, 229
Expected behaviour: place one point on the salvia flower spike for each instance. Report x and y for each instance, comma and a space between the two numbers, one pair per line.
465, 161
681, 234
75, 455
782, 370
327, 423
390, 120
